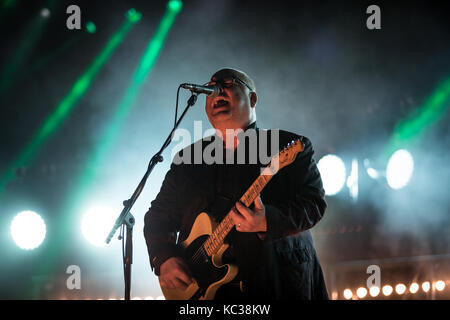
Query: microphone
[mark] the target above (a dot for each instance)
(208, 90)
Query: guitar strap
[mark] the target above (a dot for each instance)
(223, 202)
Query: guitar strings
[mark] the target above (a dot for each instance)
(258, 184)
(200, 250)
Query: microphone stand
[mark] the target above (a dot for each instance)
(126, 219)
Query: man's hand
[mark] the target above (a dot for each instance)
(175, 274)
(247, 220)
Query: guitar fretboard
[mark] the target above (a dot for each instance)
(215, 240)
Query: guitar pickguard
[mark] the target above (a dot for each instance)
(201, 265)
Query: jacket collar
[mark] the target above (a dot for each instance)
(251, 126)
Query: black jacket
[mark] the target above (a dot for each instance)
(282, 266)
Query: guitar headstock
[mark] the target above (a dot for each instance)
(287, 155)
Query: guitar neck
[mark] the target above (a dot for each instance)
(216, 239)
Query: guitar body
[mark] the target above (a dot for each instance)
(210, 273)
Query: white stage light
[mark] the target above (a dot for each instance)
(97, 223)
(439, 285)
(373, 173)
(399, 169)
(361, 292)
(332, 171)
(387, 290)
(426, 286)
(400, 288)
(45, 13)
(374, 291)
(348, 294)
(352, 180)
(414, 287)
(28, 230)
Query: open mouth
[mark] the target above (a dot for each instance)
(220, 103)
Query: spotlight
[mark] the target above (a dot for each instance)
(348, 294)
(175, 5)
(45, 13)
(399, 169)
(387, 290)
(28, 230)
(426, 286)
(361, 292)
(133, 16)
(352, 180)
(414, 287)
(400, 288)
(373, 173)
(96, 225)
(90, 27)
(439, 285)
(332, 170)
(374, 291)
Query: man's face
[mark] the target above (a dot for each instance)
(232, 108)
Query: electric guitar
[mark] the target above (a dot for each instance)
(204, 247)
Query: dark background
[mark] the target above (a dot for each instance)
(318, 72)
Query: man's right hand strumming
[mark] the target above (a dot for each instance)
(175, 274)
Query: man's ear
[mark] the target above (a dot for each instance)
(253, 99)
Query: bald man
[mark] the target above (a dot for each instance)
(271, 243)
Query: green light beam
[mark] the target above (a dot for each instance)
(63, 109)
(83, 184)
(410, 130)
(64, 223)
(110, 134)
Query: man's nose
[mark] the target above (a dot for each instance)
(221, 89)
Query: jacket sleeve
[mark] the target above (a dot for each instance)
(162, 221)
(305, 205)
